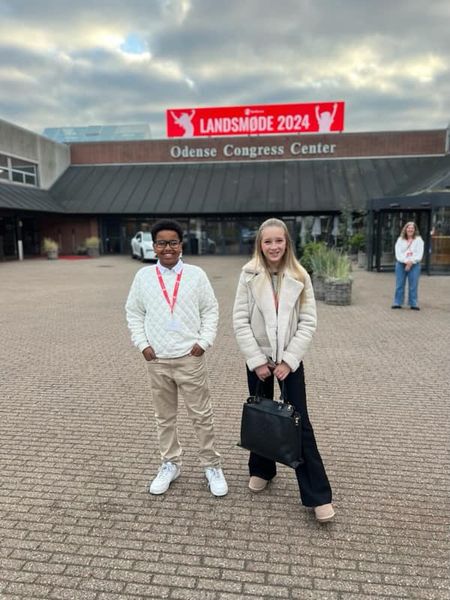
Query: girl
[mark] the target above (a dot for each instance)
(274, 319)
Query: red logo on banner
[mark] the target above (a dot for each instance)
(312, 117)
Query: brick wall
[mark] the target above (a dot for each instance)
(295, 147)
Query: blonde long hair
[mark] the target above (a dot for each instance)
(289, 260)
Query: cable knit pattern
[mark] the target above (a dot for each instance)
(148, 313)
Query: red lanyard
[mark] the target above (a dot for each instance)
(172, 302)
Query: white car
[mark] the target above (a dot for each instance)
(142, 246)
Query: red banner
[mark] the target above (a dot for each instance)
(263, 119)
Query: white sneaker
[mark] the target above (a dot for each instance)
(167, 473)
(216, 481)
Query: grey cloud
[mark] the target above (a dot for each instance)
(254, 52)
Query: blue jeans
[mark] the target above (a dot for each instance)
(401, 275)
(312, 479)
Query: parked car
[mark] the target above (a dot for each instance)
(193, 244)
(248, 234)
(142, 246)
(207, 245)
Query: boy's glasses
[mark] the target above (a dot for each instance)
(161, 244)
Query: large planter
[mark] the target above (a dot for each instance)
(362, 259)
(52, 254)
(93, 252)
(318, 282)
(338, 291)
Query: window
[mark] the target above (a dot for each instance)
(18, 170)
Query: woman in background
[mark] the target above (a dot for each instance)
(408, 254)
(274, 319)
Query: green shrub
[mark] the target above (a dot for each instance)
(319, 260)
(358, 242)
(308, 251)
(338, 266)
(92, 242)
(49, 245)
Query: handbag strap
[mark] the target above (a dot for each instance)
(283, 392)
(259, 386)
(258, 389)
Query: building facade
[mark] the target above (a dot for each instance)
(324, 186)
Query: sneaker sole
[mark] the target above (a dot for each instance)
(213, 493)
(163, 491)
(218, 495)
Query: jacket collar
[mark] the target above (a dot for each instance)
(291, 288)
(252, 268)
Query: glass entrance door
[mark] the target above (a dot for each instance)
(8, 238)
(388, 229)
(440, 240)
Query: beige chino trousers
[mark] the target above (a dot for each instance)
(187, 376)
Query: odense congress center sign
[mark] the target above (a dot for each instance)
(232, 151)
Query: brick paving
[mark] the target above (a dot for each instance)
(78, 446)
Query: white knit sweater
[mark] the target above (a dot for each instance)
(148, 314)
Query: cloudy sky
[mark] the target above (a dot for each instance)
(79, 62)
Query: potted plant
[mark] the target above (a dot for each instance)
(92, 246)
(50, 247)
(338, 281)
(307, 251)
(358, 246)
(319, 260)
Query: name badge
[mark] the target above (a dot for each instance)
(173, 325)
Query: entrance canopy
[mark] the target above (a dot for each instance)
(423, 200)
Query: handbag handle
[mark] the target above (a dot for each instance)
(260, 384)
(283, 392)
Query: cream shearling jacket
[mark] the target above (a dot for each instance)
(263, 334)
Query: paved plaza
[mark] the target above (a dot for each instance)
(78, 447)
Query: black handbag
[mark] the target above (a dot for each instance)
(272, 429)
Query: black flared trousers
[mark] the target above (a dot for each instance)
(312, 479)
